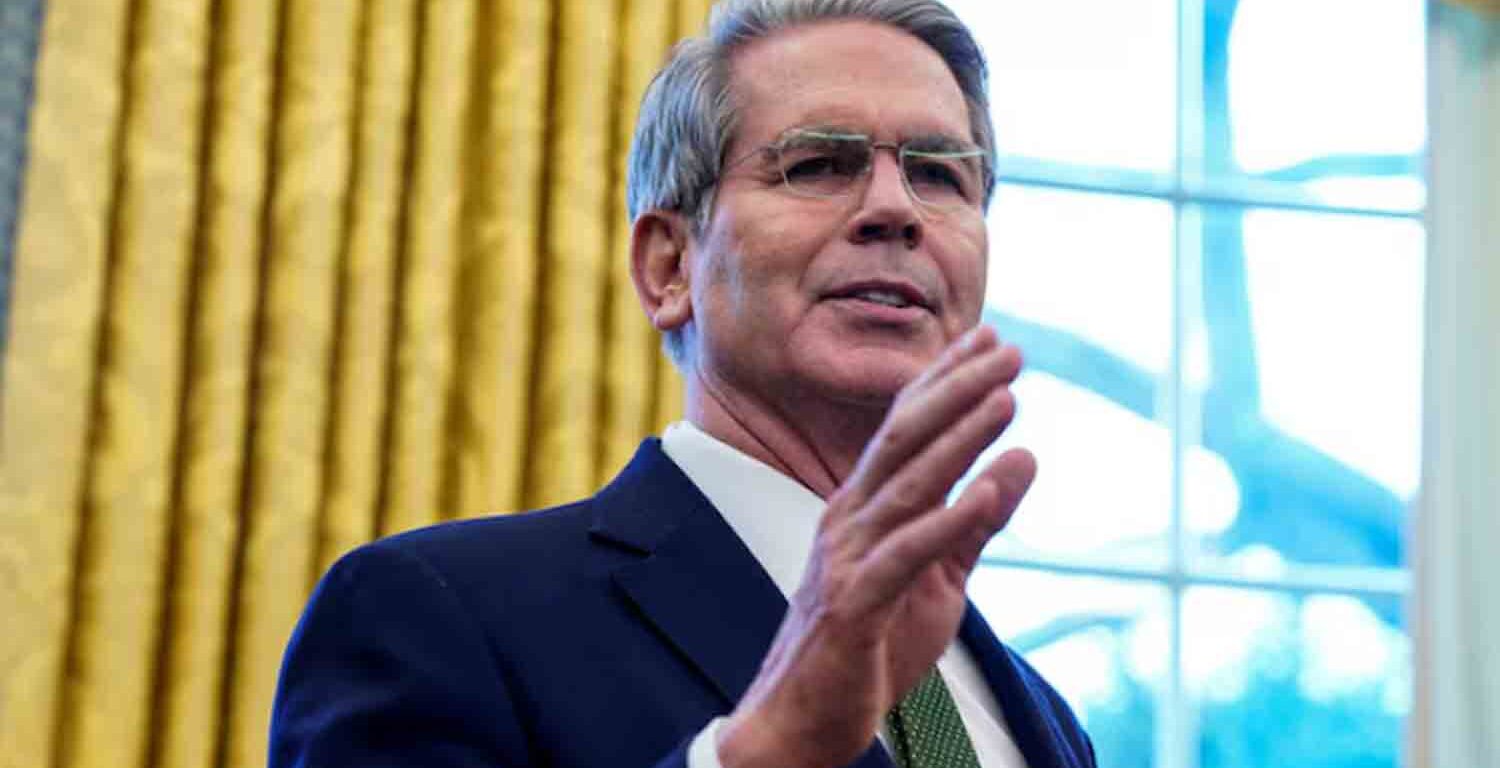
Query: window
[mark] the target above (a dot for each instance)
(1208, 242)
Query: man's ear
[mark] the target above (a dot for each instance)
(659, 267)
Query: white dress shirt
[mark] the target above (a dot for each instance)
(777, 523)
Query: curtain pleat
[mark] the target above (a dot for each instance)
(501, 258)
(292, 274)
(424, 362)
(387, 59)
(690, 16)
(576, 254)
(50, 374)
(312, 161)
(124, 539)
(631, 347)
(220, 368)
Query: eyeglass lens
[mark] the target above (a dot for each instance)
(824, 165)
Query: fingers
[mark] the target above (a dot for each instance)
(930, 405)
(892, 510)
(976, 341)
(956, 534)
(895, 562)
(923, 481)
(1010, 475)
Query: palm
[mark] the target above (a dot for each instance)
(926, 619)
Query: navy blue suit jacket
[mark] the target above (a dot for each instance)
(603, 633)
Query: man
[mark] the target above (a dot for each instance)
(779, 580)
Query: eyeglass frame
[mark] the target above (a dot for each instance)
(901, 150)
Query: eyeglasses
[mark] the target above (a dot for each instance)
(937, 171)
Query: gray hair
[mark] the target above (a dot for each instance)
(687, 117)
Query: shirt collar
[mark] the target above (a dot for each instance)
(774, 515)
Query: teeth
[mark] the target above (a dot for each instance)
(888, 298)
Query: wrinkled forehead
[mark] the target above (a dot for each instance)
(861, 75)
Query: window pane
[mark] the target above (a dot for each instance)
(1083, 284)
(1082, 82)
(1322, 681)
(1096, 268)
(1312, 396)
(1100, 642)
(1295, 98)
(1103, 486)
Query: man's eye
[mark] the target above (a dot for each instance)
(933, 174)
(812, 167)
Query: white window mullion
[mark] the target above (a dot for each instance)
(1180, 725)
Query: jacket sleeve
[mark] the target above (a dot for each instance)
(387, 667)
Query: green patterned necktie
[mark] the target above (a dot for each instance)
(926, 731)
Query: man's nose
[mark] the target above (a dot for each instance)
(887, 210)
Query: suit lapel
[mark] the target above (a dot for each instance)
(697, 583)
(711, 600)
(1028, 713)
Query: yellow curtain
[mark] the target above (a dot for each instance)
(289, 276)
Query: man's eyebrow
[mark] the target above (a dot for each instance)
(939, 142)
(828, 129)
(930, 142)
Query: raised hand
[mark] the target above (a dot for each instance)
(883, 593)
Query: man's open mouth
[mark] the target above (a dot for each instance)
(885, 294)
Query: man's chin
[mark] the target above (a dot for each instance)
(871, 380)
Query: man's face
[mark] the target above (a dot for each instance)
(791, 295)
